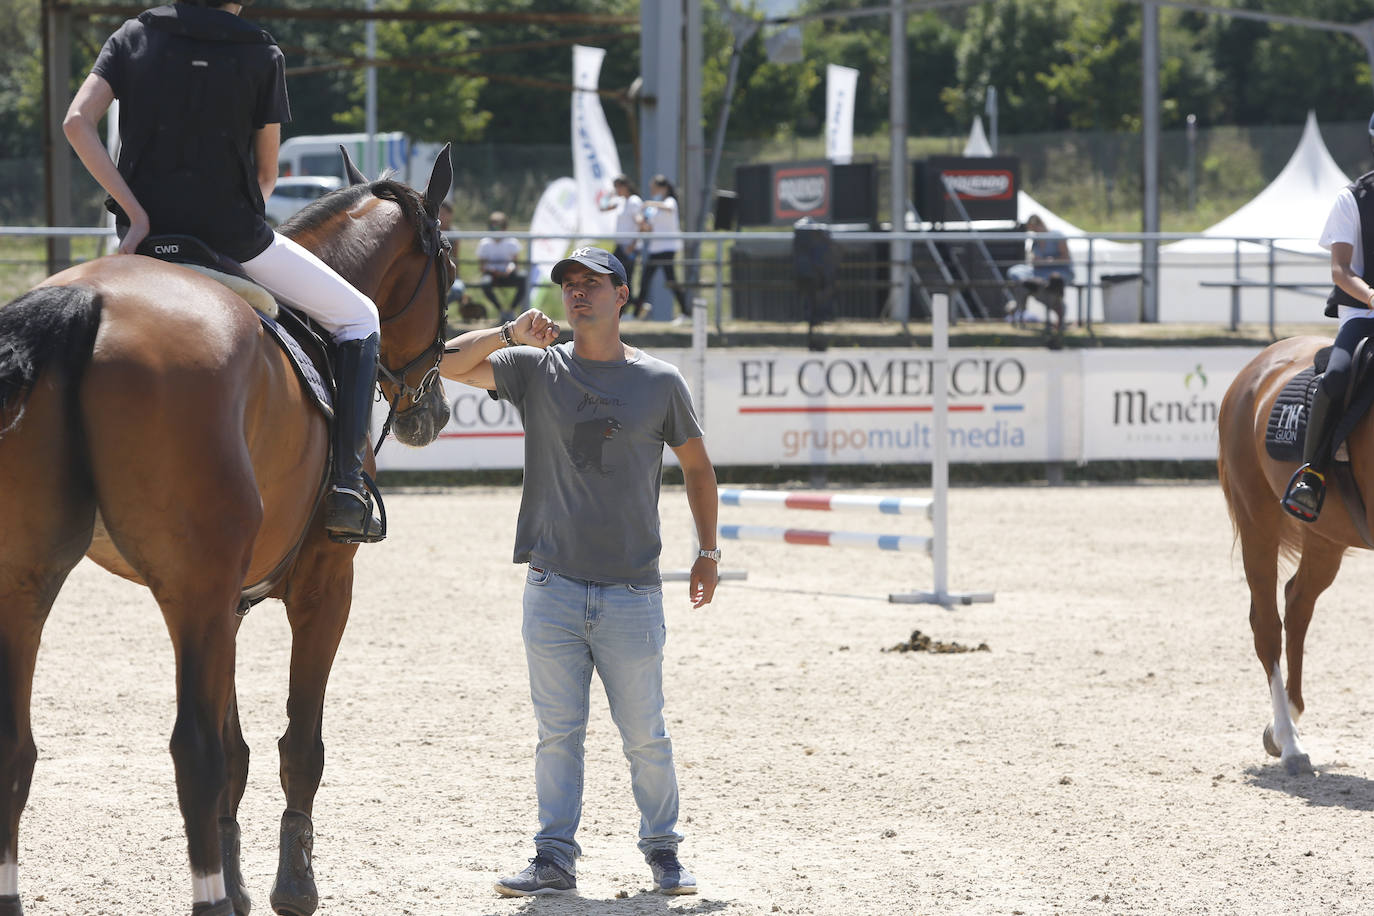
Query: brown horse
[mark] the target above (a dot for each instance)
(148, 422)
(1253, 483)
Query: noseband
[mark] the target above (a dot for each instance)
(438, 247)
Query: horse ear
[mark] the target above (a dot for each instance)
(354, 176)
(440, 181)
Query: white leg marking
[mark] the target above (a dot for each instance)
(9, 877)
(208, 888)
(1285, 728)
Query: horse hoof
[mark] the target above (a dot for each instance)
(1270, 747)
(9, 906)
(223, 908)
(294, 892)
(233, 876)
(1298, 764)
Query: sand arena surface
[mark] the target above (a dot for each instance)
(1104, 757)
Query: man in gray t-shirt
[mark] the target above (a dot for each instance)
(597, 414)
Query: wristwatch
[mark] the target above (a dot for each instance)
(713, 554)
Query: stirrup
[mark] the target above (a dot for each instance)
(372, 527)
(1305, 479)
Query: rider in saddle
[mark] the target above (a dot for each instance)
(202, 99)
(1352, 300)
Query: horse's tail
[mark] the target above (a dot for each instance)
(51, 326)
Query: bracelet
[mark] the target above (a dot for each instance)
(506, 339)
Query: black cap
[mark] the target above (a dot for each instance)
(596, 259)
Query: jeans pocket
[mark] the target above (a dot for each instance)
(644, 590)
(537, 576)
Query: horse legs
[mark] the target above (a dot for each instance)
(1317, 569)
(48, 509)
(317, 600)
(236, 760)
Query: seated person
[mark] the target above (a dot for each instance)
(499, 259)
(1045, 277)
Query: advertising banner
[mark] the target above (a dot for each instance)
(556, 213)
(595, 159)
(840, 85)
(986, 187)
(1156, 404)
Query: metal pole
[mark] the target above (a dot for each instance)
(57, 45)
(899, 303)
(1149, 37)
(370, 102)
(1192, 162)
(991, 106)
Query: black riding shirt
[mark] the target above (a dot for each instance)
(194, 85)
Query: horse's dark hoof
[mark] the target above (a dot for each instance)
(223, 908)
(294, 893)
(233, 877)
(9, 906)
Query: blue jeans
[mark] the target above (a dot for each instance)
(570, 628)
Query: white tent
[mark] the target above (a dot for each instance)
(977, 144)
(1293, 207)
(1292, 210)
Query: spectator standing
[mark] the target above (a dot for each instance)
(597, 414)
(499, 256)
(628, 207)
(660, 219)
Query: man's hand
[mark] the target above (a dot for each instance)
(534, 329)
(702, 587)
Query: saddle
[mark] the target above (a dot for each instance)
(298, 337)
(295, 333)
(1286, 427)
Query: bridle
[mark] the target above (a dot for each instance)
(437, 247)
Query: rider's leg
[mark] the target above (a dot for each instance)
(1307, 489)
(295, 274)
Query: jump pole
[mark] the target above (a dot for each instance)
(939, 475)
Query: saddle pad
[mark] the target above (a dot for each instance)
(1287, 425)
(303, 364)
(260, 299)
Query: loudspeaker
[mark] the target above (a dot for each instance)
(726, 204)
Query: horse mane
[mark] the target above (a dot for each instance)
(316, 214)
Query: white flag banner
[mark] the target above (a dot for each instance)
(595, 159)
(840, 85)
(556, 213)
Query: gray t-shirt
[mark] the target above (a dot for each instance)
(594, 437)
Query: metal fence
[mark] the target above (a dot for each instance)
(763, 276)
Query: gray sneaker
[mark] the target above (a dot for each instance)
(540, 878)
(669, 875)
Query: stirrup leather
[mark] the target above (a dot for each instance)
(1305, 481)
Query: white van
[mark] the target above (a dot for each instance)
(319, 154)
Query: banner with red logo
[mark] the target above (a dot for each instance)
(985, 187)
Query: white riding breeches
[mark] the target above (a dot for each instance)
(288, 270)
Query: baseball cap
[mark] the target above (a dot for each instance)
(596, 259)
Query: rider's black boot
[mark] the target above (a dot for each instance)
(1307, 488)
(348, 510)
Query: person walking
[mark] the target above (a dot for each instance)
(1352, 301)
(660, 219)
(597, 414)
(220, 81)
(628, 207)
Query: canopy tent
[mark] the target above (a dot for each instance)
(1293, 207)
(1292, 210)
(977, 144)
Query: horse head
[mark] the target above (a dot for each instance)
(399, 257)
